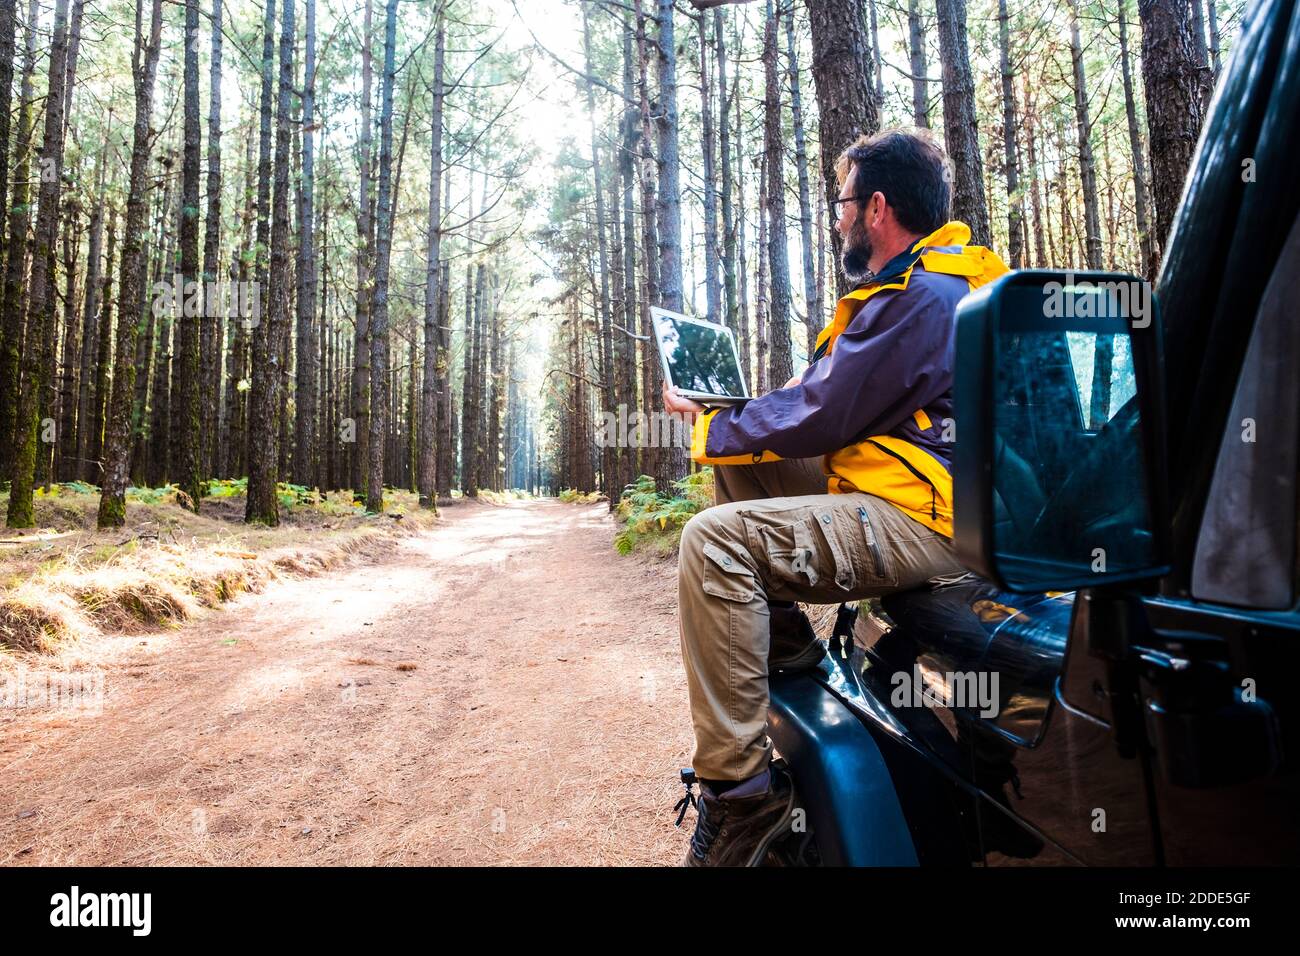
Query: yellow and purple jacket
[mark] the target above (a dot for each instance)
(876, 401)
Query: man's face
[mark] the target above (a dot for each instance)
(856, 251)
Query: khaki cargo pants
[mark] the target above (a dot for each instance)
(774, 535)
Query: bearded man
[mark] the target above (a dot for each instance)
(835, 487)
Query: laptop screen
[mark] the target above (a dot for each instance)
(700, 356)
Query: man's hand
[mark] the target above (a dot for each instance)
(680, 405)
(795, 380)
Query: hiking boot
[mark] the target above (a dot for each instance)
(793, 642)
(736, 828)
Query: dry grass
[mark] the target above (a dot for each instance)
(64, 580)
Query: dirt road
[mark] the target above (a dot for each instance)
(503, 690)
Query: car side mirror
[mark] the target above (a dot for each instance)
(1058, 468)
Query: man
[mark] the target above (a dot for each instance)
(833, 488)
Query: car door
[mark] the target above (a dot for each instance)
(1226, 784)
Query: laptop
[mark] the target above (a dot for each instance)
(699, 358)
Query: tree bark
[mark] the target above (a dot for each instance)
(781, 367)
(214, 326)
(93, 457)
(1137, 154)
(187, 408)
(960, 130)
(19, 216)
(609, 453)
(305, 411)
(1015, 231)
(90, 332)
(434, 357)
(916, 49)
(712, 285)
(847, 104)
(652, 376)
(668, 211)
(270, 337)
(1087, 162)
(38, 356)
(383, 251)
(360, 398)
(728, 175)
(1172, 81)
(117, 437)
(8, 40)
(811, 290)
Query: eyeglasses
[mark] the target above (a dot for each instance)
(837, 205)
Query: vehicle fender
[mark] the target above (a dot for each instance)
(842, 779)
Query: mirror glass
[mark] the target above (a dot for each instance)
(1069, 485)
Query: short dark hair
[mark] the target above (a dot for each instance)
(909, 168)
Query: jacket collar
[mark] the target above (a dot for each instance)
(951, 233)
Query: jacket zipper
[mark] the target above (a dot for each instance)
(934, 511)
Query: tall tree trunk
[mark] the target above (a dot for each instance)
(446, 459)
(1136, 152)
(8, 40)
(847, 104)
(38, 356)
(1212, 9)
(92, 459)
(609, 453)
(383, 231)
(1201, 53)
(762, 337)
(812, 292)
(61, 406)
(214, 325)
(724, 148)
(669, 203)
(628, 312)
(742, 253)
(266, 400)
(1035, 193)
(652, 375)
(304, 422)
(781, 367)
(360, 398)
(916, 48)
(496, 397)
(1087, 163)
(434, 357)
(877, 61)
(1172, 81)
(235, 447)
(19, 216)
(65, 446)
(91, 332)
(960, 130)
(1015, 233)
(117, 432)
(187, 410)
(712, 285)
(469, 399)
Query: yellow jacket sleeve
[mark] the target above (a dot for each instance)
(700, 443)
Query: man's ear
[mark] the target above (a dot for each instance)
(875, 214)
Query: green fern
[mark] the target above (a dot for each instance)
(652, 518)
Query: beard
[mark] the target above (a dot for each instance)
(855, 255)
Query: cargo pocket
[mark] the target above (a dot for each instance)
(797, 552)
(726, 577)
